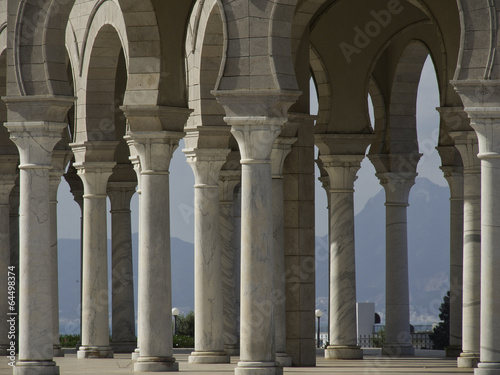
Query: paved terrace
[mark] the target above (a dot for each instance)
(425, 362)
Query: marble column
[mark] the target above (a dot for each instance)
(342, 171)
(281, 149)
(7, 297)
(466, 143)
(397, 173)
(76, 188)
(455, 178)
(228, 180)
(397, 188)
(122, 292)
(154, 150)
(95, 305)
(256, 119)
(35, 140)
(136, 164)
(60, 159)
(208, 309)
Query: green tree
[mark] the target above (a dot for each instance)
(440, 335)
(185, 324)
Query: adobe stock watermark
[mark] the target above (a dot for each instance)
(363, 36)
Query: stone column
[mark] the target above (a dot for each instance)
(397, 173)
(8, 298)
(486, 123)
(60, 159)
(35, 126)
(95, 306)
(134, 159)
(122, 292)
(342, 171)
(256, 119)
(155, 150)
(76, 188)
(281, 149)
(466, 143)
(209, 324)
(455, 177)
(228, 180)
(397, 188)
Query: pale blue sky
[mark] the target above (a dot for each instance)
(367, 186)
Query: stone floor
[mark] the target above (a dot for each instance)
(425, 362)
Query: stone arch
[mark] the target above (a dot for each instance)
(6, 145)
(141, 45)
(478, 56)
(322, 81)
(205, 53)
(402, 131)
(380, 113)
(40, 31)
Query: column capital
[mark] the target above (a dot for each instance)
(228, 180)
(256, 118)
(397, 187)
(154, 149)
(455, 178)
(281, 148)
(35, 141)
(208, 137)
(454, 119)
(466, 143)
(120, 194)
(145, 119)
(341, 170)
(343, 144)
(95, 177)
(206, 165)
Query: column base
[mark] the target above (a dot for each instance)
(94, 352)
(283, 359)
(343, 352)
(136, 354)
(453, 351)
(123, 347)
(156, 364)
(398, 350)
(258, 368)
(487, 369)
(58, 352)
(468, 360)
(209, 357)
(36, 368)
(232, 349)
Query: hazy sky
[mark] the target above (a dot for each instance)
(367, 186)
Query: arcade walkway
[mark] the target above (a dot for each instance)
(426, 362)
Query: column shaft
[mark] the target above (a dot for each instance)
(155, 330)
(343, 337)
(95, 306)
(490, 264)
(123, 315)
(456, 275)
(257, 323)
(209, 318)
(398, 340)
(6, 299)
(229, 283)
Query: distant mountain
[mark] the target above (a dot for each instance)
(428, 252)
(428, 238)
